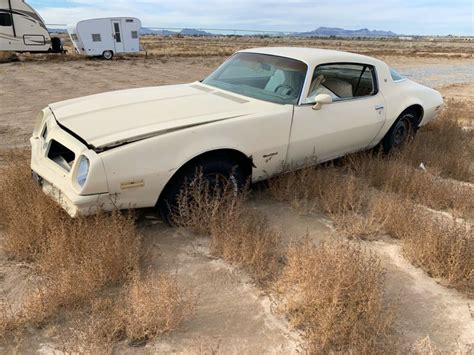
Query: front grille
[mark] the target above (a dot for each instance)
(61, 155)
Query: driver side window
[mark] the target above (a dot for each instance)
(343, 81)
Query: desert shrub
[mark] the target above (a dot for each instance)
(347, 199)
(82, 257)
(334, 292)
(145, 309)
(394, 175)
(155, 306)
(444, 146)
(441, 246)
(25, 213)
(238, 234)
(75, 262)
(315, 189)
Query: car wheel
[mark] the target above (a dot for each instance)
(400, 133)
(108, 55)
(216, 173)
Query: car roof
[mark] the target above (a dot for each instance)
(314, 56)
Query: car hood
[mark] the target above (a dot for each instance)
(119, 117)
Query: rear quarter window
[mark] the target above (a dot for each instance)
(396, 76)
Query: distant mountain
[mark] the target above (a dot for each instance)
(183, 32)
(194, 32)
(148, 31)
(340, 32)
(57, 30)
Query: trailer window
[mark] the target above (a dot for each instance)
(96, 37)
(74, 37)
(134, 34)
(5, 19)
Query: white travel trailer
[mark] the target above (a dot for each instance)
(23, 30)
(106, 37)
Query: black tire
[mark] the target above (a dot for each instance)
(108, 55)
(400, 133)
(211, 170)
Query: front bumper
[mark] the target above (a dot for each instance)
(75, 205)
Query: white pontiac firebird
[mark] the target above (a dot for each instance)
(262, 112)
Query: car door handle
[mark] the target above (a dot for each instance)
(379, 107)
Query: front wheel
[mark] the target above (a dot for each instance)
(108, 55)
(215, 173)
(400, 133)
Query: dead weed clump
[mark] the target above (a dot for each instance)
(334, 292)
(320, 189)
(26, 214)
(238, 234)
(75, 262)
(444, 248)
(145, 309)
(345, 197)
(394, 175)
(154, 307)
(444, 146)
(83, 256)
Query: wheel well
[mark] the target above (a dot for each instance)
(243, 162)
(418, 111)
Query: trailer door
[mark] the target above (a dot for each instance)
(118, 37)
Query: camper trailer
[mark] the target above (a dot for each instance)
(23, 30)
(105, 37)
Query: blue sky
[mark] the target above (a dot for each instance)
(404, 16)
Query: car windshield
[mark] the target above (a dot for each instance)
(260, 76)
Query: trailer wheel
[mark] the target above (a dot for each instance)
(108, 55)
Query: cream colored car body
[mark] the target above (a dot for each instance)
(136, 140)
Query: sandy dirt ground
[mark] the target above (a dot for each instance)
(232, 314)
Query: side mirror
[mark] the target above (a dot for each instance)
(322, 99)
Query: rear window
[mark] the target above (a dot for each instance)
(74, 37)
(134, 34)
(395, 75)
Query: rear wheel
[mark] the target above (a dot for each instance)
(108, 55)
(400, 133)
(216, 173)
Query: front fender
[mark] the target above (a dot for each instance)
(146, 166)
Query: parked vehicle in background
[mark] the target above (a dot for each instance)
(23, 30)
(264, 112)
(106, 37)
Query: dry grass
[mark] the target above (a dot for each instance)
(347, 199)
(225, 46)
(315, 189)
(443, 247)
(77, 261)
(370, 195)
(396, 175)
(335, 293)
(146, 318)
(238, 234)
(25, 213)
(444, 146)
(82, 257)
(147, 308)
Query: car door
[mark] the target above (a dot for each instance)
(348, 124)
(118, 38)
